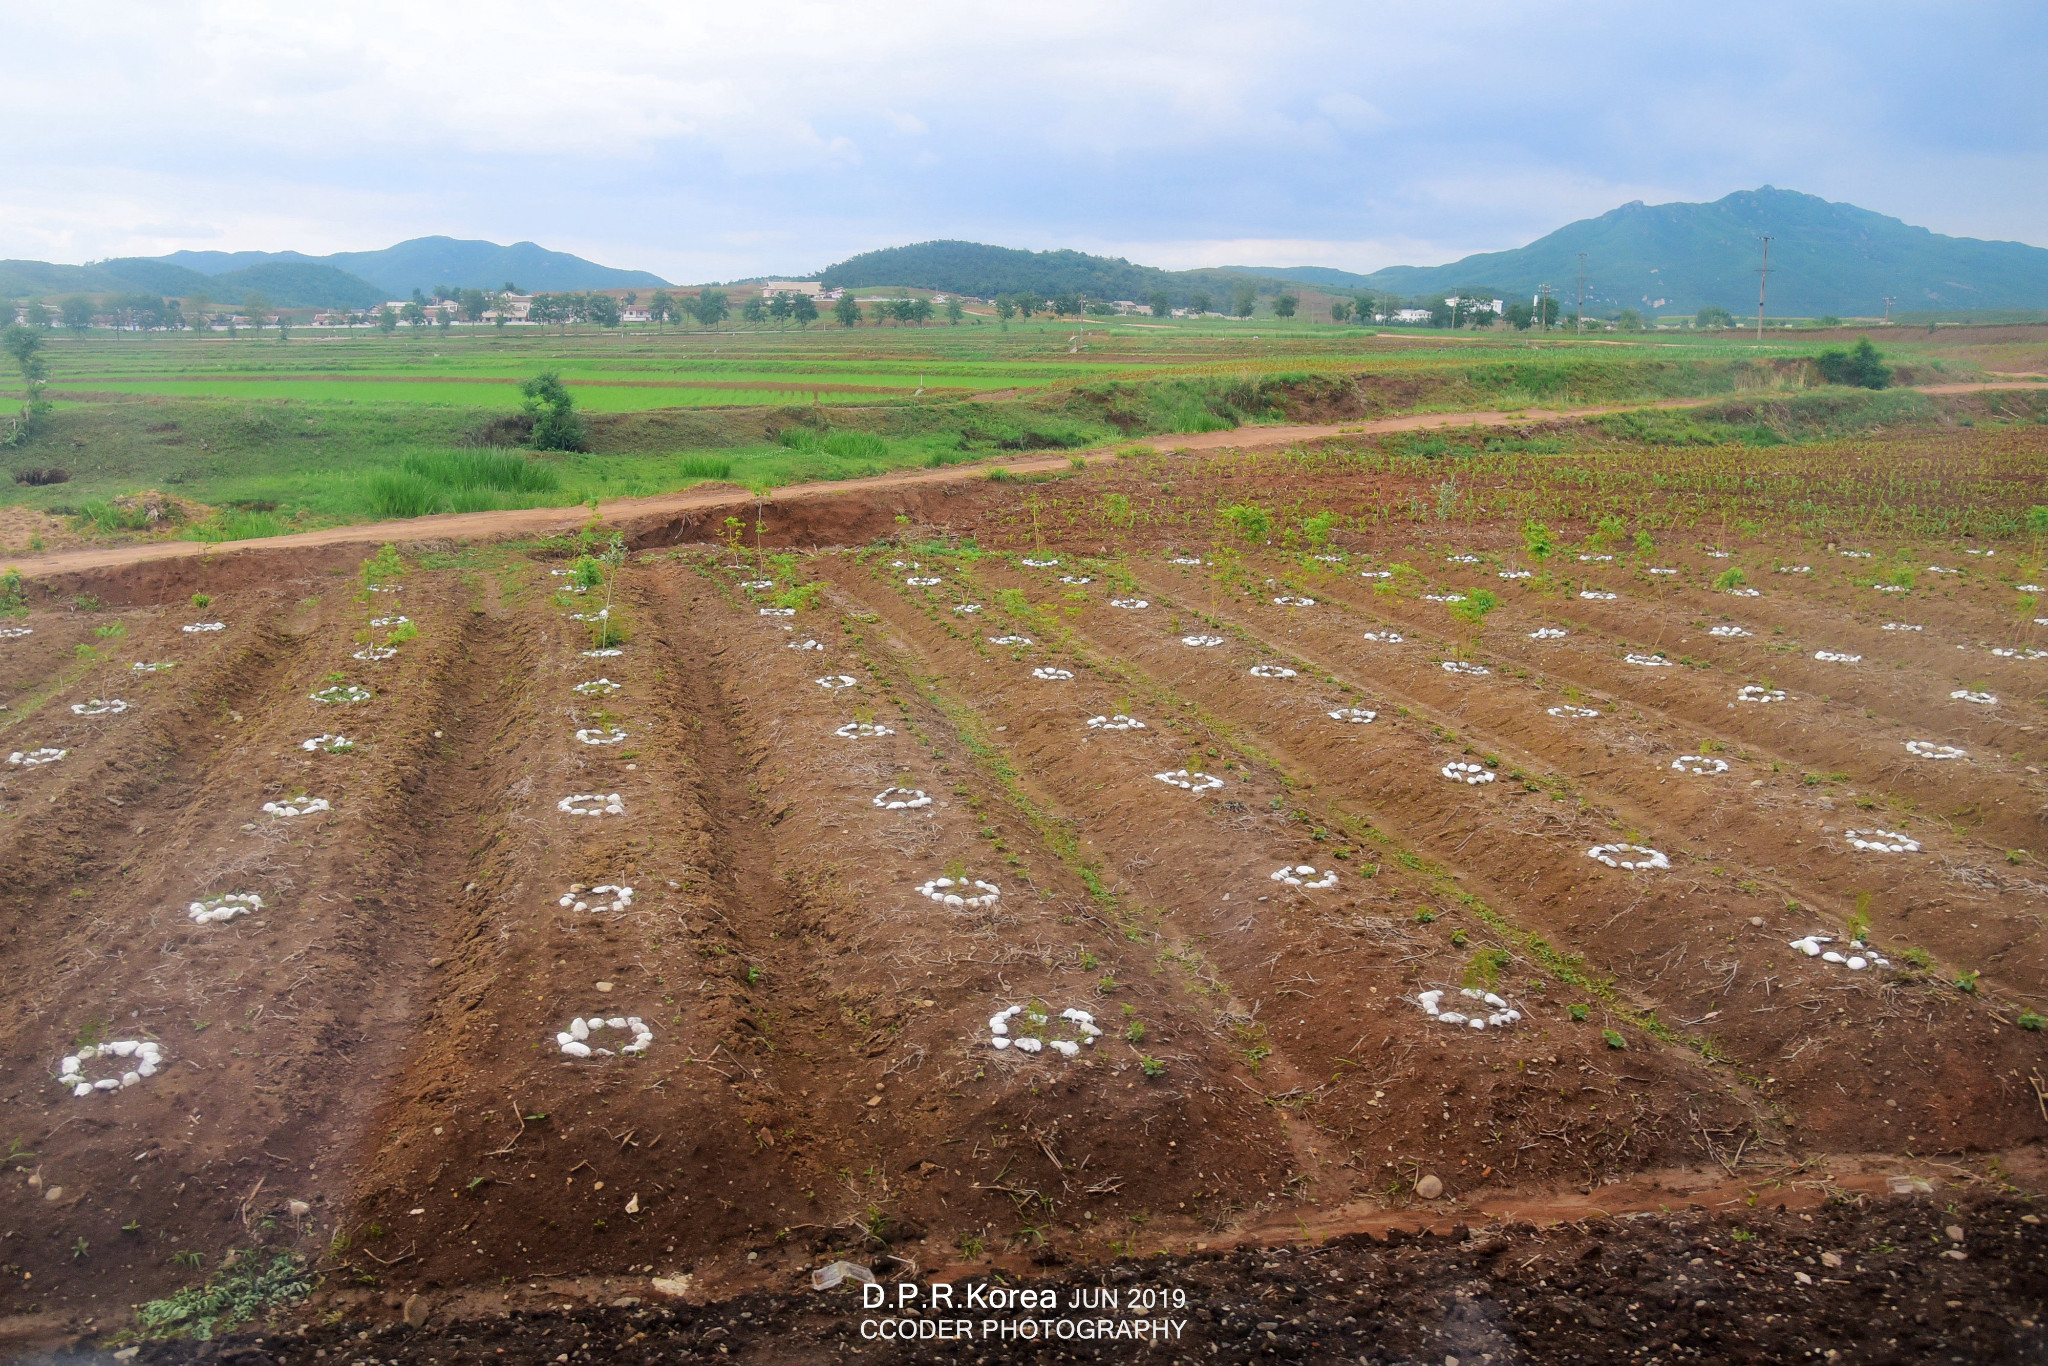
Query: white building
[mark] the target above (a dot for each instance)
(1411, 315)
(774, 287)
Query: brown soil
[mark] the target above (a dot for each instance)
(365, 1072)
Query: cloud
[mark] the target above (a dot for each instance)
(711, 141)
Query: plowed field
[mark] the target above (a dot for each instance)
(1045, 882)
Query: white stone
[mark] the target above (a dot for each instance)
(1460, 772)
(296, 806)
(1052, 675)
(1201, 642)
(602, 735)
(1596, 595)
(1549, 633)
(1982, 699)
(1009, 640)
(1187, 559)
(198, 627)
(1726, 632)
(1751, 692)
(1834, 657)
(1383, 637)
(342, 693)
(35, 758)
(1292, 600)
(1077, 579)
(1582, 713)
(1443, 597)
(1130, 604)
(591, 804)
(391, 621)
(901, 799)
(1881, 841)
(375, 653)
(1375, 574)
(1357, 716)
(960, 891)
(1516, 574)
(1744, 593)
(967, 608)
(805, 644)
(139, 667)
(214, 909)
(1648, 661)
(1902, 626)
(1458, 666)
(1699, 764)
(923, 581)
(862, 730)
(74, 1071)
(1305, 876)
(1638, 858)
(1116, 722)
(99, 707)
(1271, 671)
(1039, 564)
(834, 682)
(1193, 781)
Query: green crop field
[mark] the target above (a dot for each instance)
(255, 436)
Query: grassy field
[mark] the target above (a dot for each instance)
(255, 437)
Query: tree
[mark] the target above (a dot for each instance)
(1199, 301)
(1629, 321)
(602, 309)
(78, 313)
(955, 311)
(258, 309)
(1340, 309)
(1863, 367)
(1520, 316)
(712, 307)
(1547, 314)
(1713, 315)
(1027, 304)
(1441, 314)
(197, 306)
(444, 317)
(757, 309)
(1162, 306)
(35, 314)
(1006, 307)
(1244, 297)
(387, 319)
(662, 307)
(1066, 304)
(414, 313)
(847, 310)
(284, 328)
(25, 344)
(920, 311)
(552, 409)
(804, 309)
(1285, 304)
(473, 303)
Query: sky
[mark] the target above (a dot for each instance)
(719, 141)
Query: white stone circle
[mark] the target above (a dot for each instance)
(1928, 749)
(967, 608)
(1516, 574)
(373, 653)
(600, 735)
(862, 730)
(139, 667)
(341, 692)
(1051, 674)
(1744, 592)
(605, 895)
(778, 611)
(1583, 713)
(597, 687)
(324, 743)
(1187, 559)
(591, 804)
(1443, 597)
(16, 632)
(1010, 640)
(1751, 692)
(1859, 957)
(1116, 722)
(1077, 579)
(1458, 771)
(1642, 858)
(1461, 559)
(1647, 661)
(1331, 559)
(390, 621)
(805, 644)
(1383, 637)
(198, 627)
(834, 682)
(1795, 569)
(1500, 1017)
(962, 891)
(1727, 632)
(1718, 554)
(1271, 671)
(1201, 642)
(1375, 573)
(99, 706)
(1549, 633)
(1902, 626)
(1357, 716)
(1595, 595)
(1459, 666)
(1699, 765)
(134, 1060)
(2029, 588)
(1937, 569)
(574, 1041)
(1130, 604)
(1293, 600)
(1854, 554)
(36, 758)
(1881, 841)
(1982, 699)
(757, 585)
(297, 806)
(1594, 559)
(1305, 876)
(1039, 564)
(387, 588)
(1193, 781)
(923, 581)
(599, 615)
(1663, 571)
(612, 652)
(1078, 1023)
(214, 909)
(1836, 657)
(901, 798)
(2022, 652)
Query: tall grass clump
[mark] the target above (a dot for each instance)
(460, 481)
(704, 467)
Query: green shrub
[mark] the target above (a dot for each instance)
(243, 1288)
(1248, 520)
(1861, 368)
(1476, 605)
(1613, 1039)
(704, 467)
(856, 446)
(1537, 540)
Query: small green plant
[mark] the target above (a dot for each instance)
(1606, 531)
(1919, 958)
(1729, 578)
(1134, 1032)
(971, 1244)
(1537, 540)
(1151, 1066)
(1644, 545)
(1458, 938)
(1476, 605)
(79, 1250)
(1485, 968)
(1251, 522)
(1859, 923)
(2031, 1022)
(111, 631)
(202, 600)
(1424, 915)
(1579, 1012)
(1966, 982)
(1614, 1040)
(753, 974)
(245, 1286)
(1741, 1235)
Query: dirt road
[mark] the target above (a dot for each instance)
(490, 526)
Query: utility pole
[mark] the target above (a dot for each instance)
(1888, 301)
(1763, 278)
(1579, 321)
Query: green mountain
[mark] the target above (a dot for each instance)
(1825, 258)
(283, 284)
(983, 272)
(424, 262)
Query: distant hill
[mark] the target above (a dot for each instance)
(283, 284)
(983, 272)
(1825, 258)
(424, 262)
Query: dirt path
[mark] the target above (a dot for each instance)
(489, 526)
